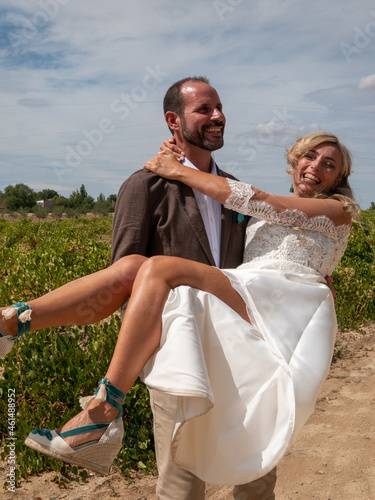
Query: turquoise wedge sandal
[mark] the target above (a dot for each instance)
(94, 455)
(23, 312)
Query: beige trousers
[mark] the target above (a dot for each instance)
(175, 483)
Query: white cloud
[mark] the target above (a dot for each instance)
(277, 65)
(368, 82)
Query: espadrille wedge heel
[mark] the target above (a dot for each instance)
(94, 455)
(23, 312)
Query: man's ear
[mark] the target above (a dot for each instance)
(173, 120)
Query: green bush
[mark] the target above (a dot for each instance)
(57, 211)
(354, 278)
(40, 212)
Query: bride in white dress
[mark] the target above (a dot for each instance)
(245, 351)
(252, 387)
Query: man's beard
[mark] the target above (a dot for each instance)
(199, 140)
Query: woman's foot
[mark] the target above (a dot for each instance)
(98, 412)
(8, 327)
(15, 321)
(91, 439)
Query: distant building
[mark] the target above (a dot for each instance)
(46, 203)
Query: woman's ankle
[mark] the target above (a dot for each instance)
(8, 326)
(101, 411)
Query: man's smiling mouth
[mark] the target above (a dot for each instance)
(214, 130)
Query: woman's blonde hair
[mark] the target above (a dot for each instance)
(342, 191)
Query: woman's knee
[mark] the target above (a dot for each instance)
(157, 266)
(129, 266)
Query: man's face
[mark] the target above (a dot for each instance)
(203, 122)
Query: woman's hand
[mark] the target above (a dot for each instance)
(166, 165)
(169, 146)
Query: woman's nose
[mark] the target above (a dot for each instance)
(316, 164)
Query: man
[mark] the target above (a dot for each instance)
(155, 216)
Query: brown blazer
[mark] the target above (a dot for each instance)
(155, 216)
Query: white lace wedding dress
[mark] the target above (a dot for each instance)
(245, 391)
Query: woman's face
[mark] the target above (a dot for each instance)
(317, 170)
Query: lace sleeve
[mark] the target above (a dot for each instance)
(240, 201)
(239, 198)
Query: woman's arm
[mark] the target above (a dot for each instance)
(220, 189)
(166, 165)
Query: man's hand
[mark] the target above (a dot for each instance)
(329, 281)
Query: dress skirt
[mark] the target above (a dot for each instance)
(244, 390)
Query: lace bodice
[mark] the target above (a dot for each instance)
(288, 241)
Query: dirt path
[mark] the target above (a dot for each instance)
(333, 459)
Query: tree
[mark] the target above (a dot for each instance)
(88, 202)
(47, 194)
(112, 198)
(83, 192)
(105, 206)
(61, 201)
(372, 206)
(81, 199)
(18, 196)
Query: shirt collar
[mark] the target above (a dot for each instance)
(213, 169)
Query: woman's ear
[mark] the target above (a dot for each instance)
(338, 181)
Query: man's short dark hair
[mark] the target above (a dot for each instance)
(173, 100)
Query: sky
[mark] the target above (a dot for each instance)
(82, 84)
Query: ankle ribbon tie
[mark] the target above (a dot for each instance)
(23, 312)
(108, 391)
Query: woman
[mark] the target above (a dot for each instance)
(245, 350)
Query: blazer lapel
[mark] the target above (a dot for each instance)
(226, 225)
(188, 205)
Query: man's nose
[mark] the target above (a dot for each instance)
(217, 115)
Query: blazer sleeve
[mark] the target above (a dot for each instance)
(132, 224)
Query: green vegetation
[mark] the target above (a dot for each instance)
(50, 369)
(21, 199)
(354, 278)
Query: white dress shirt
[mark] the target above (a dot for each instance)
(211, 214)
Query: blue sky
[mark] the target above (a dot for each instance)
(82, 84)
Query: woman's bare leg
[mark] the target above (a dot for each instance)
(141, 329)
(84, 301)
